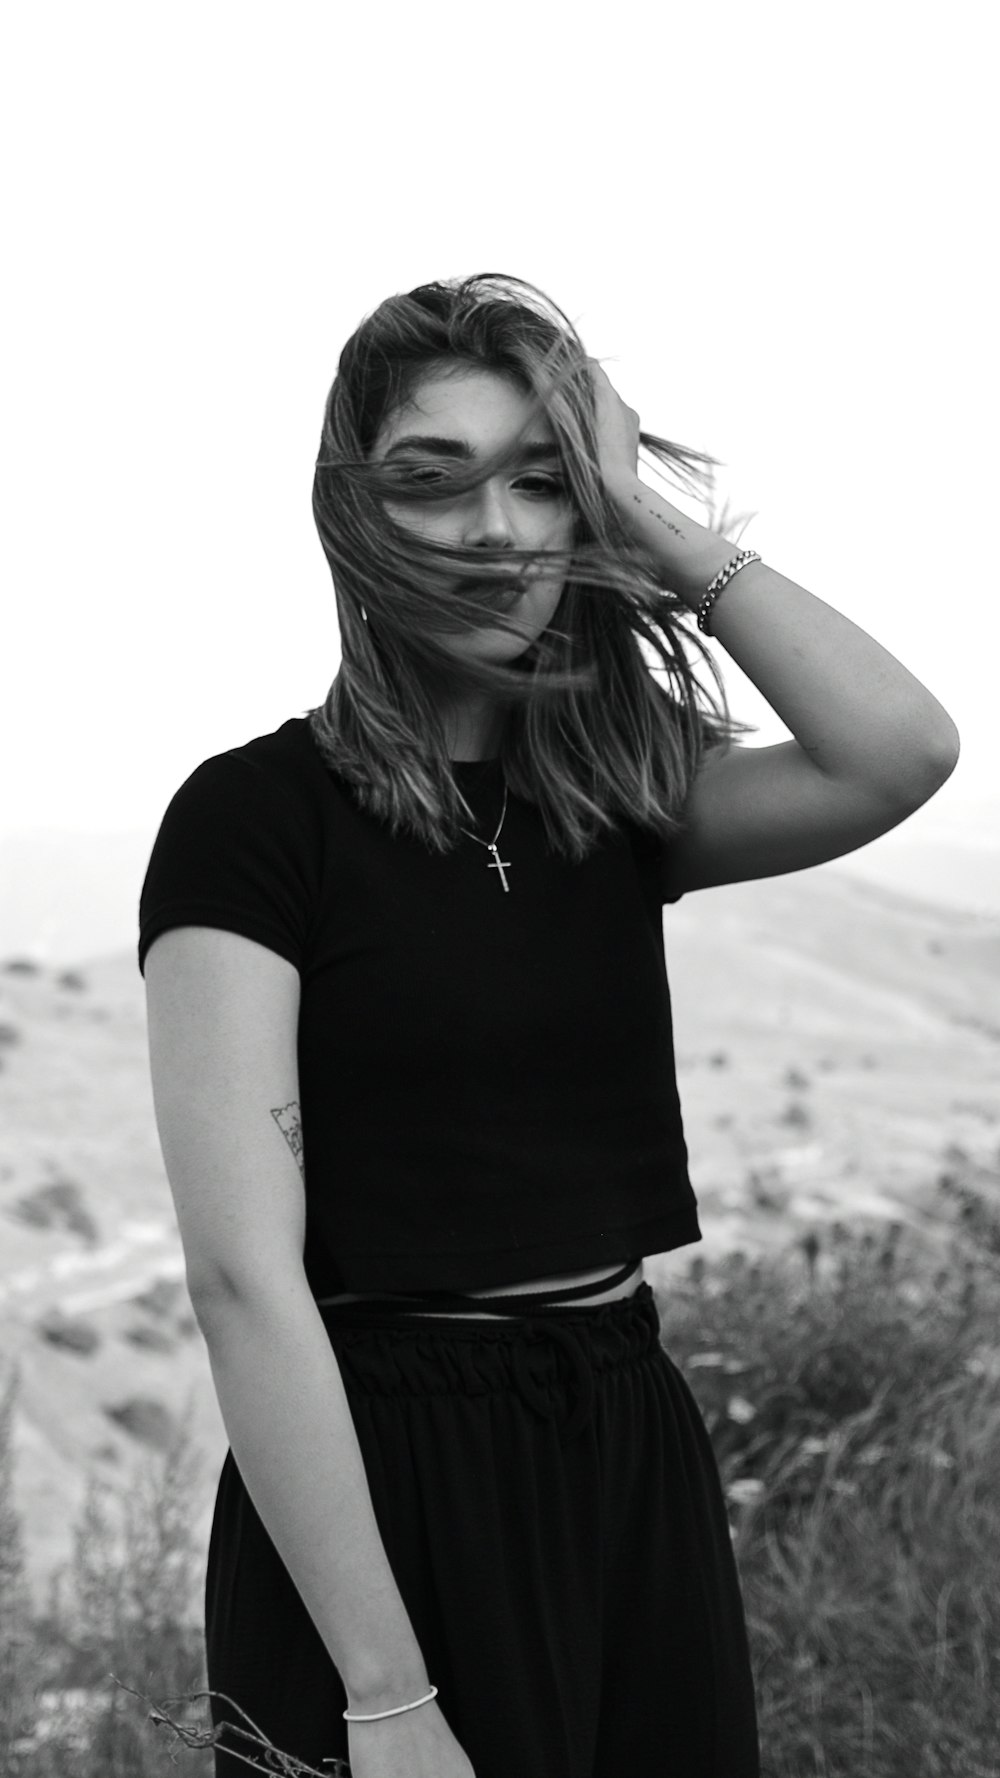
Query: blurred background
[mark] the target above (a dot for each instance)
(769, 223)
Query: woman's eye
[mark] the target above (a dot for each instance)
(429, 472)
(545, 487)
(550, 487)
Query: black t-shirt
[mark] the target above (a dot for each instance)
(487, 1079)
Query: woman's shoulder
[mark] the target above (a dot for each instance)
(280, 767)
(241, 843)
(288, 753)
(263, 797)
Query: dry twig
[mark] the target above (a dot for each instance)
(206, 1735)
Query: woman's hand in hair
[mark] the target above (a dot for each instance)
(617, 433)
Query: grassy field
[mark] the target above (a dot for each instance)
(851, 1386)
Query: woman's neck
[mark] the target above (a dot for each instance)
(474, 728)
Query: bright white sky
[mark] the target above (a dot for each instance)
(771, 222)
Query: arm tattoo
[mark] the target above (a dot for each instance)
(659, 517)
(289, 1121)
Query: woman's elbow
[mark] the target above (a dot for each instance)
(218, 1293)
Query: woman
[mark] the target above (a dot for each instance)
(413, 1070)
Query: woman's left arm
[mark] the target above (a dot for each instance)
(871, 743)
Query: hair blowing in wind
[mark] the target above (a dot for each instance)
(590, 736)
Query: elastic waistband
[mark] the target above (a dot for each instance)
(385, 1349)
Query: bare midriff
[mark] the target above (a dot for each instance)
(626, 1287)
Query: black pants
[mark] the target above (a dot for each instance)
(551, 1509)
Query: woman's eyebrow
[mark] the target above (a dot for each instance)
(533, 451)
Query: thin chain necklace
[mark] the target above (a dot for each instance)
(496, 862)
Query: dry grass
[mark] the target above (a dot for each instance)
(852, 1399)
(851, 1394)
(126, 1604)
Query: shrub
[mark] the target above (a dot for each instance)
(794, 1077)
(152, 1339)
(71, 978)
(160, 1297)
(122, 1616)
(144, 1418)
(14, 1602)
(72, 1335)
(796, 1115)
(57, 1204)
(850, 1392)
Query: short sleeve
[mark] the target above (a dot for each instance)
(232, 851)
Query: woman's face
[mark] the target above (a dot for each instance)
(462, 414)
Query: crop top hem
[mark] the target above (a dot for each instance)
(434, 1269)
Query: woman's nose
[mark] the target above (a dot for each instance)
(490, 523)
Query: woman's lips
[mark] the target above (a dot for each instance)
(514, 585)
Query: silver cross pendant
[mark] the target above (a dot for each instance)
(500, 864)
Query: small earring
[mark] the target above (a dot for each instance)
(364, 615)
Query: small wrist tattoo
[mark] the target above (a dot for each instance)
(668, 524)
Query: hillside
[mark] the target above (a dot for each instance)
(838, 1057)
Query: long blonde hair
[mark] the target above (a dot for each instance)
(590, 737)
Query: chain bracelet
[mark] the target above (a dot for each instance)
(722, 579)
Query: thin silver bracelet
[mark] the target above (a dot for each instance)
(377, 1714)
(722, 579)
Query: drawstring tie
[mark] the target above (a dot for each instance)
(537, 1327)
